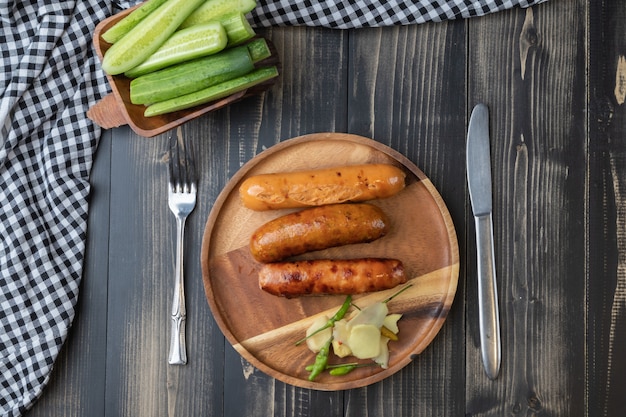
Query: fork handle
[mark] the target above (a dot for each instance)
(178, 349)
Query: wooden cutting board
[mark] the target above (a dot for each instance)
(264, 328)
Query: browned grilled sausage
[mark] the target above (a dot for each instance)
(326, 276)
(316, 229)
(353, 183)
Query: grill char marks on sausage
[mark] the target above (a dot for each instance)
(326, 276)
(316, 229)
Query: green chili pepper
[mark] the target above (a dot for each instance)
(309, 368)
(331, 322)
(346, 368)
(321, 360)
(342, 370)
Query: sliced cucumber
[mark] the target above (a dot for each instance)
(191, 76)
(259, 50)
(213, 9)
(184, 45)
(121, 28)
(147, 36)
(212, 93)
(237, 28)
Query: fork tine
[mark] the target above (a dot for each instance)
(190, 166)
(174, 166)
(183, 175)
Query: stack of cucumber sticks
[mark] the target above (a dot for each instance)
(183, 53)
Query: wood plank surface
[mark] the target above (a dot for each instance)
(77, 382)
(312, 72)
(528, 67)
(606, 228)
(553, 76)
(411, 97)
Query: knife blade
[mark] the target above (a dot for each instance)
(479, 183)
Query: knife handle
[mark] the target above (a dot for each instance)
(488, 316)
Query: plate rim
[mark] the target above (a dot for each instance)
(431, 332)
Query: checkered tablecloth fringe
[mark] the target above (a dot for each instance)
(49, 77)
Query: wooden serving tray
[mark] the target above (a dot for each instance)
(116, 109)
(264, 328)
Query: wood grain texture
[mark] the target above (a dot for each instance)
(606, 297)
(141, 268)
(407, 90)
(552, 77)
(314, 71)
(264, 328)
(530, 74)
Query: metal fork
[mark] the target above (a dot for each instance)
(181, 200)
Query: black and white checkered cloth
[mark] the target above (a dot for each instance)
(370, 13)
(49, 77)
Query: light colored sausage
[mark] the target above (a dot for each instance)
(353, 183)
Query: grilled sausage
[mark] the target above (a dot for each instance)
(316, 229)
(326, 276)
(318, 187)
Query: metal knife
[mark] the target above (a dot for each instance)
(479, 183)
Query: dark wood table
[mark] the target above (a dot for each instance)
(554, 77)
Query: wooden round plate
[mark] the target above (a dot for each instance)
(264, 328)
